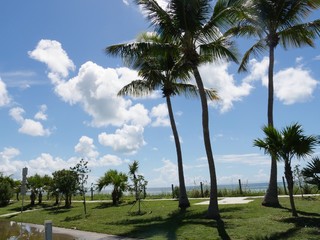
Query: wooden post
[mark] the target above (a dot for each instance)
(48, 230)
(240, 187)
(284, 185)
(201, 188)
(172, 189)
(91, 193)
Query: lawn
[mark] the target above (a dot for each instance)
(161, 219)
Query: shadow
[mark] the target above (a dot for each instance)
(104, 205)
(276, 236)
(168, 227)
(74, 218)
(301, 222)
(222, 230)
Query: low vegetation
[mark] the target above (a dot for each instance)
(162, 219)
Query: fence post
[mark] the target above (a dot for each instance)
(172, 188)
(201, 188)
(240, 187)
(48, 230)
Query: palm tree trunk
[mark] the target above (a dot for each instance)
(183, 198)
(271, 197)
(213, 209)
(289, 178)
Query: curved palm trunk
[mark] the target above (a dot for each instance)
(271, 196)
(183, 198)
(213, 209)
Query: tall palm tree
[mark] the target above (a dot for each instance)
(159, 70)
(285, 145)
(276, 22)
(195, 26)
(119, 182)
(133, 168)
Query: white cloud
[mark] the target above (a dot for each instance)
(167, 174)
(86, 148)
(41, 114)
(216, 76)
(248, 159)
(160, 112)
(125, 2)
(28, 126)
(109, 160)
(291, 85)
(4, 96)
(46, 164)
(294, 85)
(8, 165)
(51, 53)
(128, 139)
(94, 88)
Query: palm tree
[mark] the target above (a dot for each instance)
(286, 145)
(311, 172)
(119, 182)
(195, 27)
(159, 70)
(276, 22)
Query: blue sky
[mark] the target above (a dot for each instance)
(58, 99)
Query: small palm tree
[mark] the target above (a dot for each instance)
(311, 172)
(159, 67)
(119, 182)
(196, 26)
(286, 145)
(276, 22)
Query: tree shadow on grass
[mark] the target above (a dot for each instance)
(168, 226)
(312, 223)
(104, 205)
(73, 218)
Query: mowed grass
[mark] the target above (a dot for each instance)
(161, 219)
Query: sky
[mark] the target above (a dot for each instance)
(59, 103)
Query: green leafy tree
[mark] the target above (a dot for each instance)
(276, 22)
(82, 171)
(6, 189)
(195, 26)
(311, 172)
(159, 67)
(37, 184)
(285, 145)
(119, 182)
(66, 183)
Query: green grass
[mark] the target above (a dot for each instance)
(163, 220)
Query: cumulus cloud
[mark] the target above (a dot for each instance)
(294, 85)
(28, 126)
(41, 114)
(51, 53)
(4, 96)
(86, 148)
(216, 76)
(128, 139)
(7, 163)
(94, 88)
(160, 113)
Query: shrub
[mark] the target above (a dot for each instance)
(6, 192)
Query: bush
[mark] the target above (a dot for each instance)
(6, 192)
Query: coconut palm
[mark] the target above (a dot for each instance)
(159, 70)
(276, 22)
(311, 172)
(195, 27)
(286, 145)
(119, 182)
